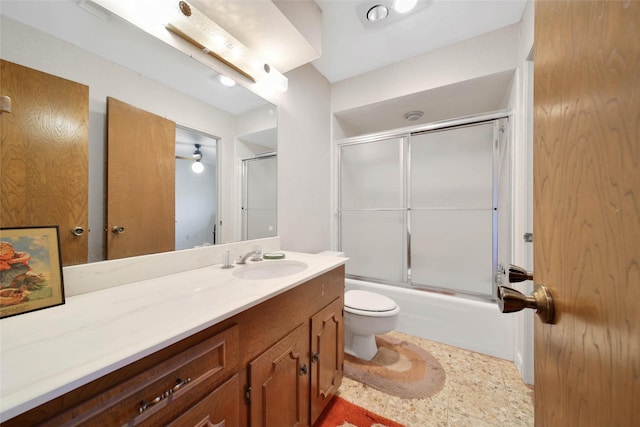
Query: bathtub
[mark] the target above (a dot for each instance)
(470, 324)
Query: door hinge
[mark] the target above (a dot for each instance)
(528, 237)
(247, 394)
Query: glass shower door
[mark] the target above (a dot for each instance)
(421, 209)
(452, 209)
(372, 213)
(259, 197)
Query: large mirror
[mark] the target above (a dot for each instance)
(228, 126)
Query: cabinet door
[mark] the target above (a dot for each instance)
(221, 408)
(279, 382)
(327, 355)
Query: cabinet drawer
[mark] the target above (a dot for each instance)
(221, 408)
(161, 393)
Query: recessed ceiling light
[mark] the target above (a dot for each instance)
(377, 13)
(404, 6)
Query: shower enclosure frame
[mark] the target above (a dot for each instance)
(244, 207)
(405, 134)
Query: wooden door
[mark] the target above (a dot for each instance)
(587, 211)
(279, 381)
(44, 150)
(327, 355)
(140, 181)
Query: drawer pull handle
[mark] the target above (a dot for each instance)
(146, 404)
(206, 422)
(179, 384)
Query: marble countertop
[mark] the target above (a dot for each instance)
(46, 353)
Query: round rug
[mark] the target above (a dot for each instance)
(399, 368)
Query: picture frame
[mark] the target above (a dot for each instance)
(30, 269)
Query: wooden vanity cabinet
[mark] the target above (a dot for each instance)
(274, 365)
(221, 408)
(279, 382)
(327, 355)
(156, 395)
(293, 381)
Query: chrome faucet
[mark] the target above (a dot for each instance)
(256, 256)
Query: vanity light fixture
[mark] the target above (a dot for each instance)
(197, 166)
(195, 27)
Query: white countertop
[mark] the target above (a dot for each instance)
(46, 353)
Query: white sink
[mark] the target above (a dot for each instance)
(269, 269)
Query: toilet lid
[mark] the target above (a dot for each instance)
(368, 301)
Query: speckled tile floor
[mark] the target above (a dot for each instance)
(479, 391)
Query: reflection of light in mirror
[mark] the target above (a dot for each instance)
(198, 29)
(236, 52)
(166, 18)
(143, 12)
(197, 167)
(227, 81)
(218, 41)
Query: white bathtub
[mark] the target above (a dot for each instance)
(460, 322)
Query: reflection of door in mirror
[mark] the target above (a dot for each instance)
(259, 197)
(140, 181)
(44, 150)
(196, 189)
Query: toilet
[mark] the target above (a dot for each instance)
(366, 314)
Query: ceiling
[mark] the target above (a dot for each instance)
(349, 49)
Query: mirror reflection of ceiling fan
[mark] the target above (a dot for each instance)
(196, 158)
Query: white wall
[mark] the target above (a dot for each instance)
(304, 162)
(522, 192)
(484, 55)
(196, 213)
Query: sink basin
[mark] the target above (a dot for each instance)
(269, 269)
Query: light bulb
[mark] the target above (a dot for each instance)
(404, 6)
(227, 81)
(197, 167)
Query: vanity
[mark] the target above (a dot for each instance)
(207, 347)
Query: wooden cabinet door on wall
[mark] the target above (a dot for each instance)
(279, 381)
(44, 150)
(327, 355)
(140, 181)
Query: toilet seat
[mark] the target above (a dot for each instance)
(366, 303)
